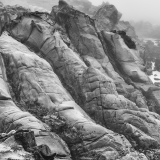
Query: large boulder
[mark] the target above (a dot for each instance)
(9, 13)
(107, 16)
(126, 57)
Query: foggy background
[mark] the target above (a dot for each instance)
(144, 15)
(136, 10)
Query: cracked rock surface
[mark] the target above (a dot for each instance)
(82, 92)
(12, 118)
(36, 83)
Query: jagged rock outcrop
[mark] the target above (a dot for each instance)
(12, 118)
(130, 33)
(82, 33)
(126, 26)
(90, 44)
(127, 58)
(87, 71)
(107, 16)
(9, 13)
(93, 90)
(38, 86)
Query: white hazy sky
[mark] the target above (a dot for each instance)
(147, 10)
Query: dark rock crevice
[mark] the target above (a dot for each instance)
(128, 41)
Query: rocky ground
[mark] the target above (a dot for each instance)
(74, 86)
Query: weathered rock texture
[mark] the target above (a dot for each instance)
(74, 69)
(107, 17)
(94, 91)
(38, 86)
(9, 13)
(126, 26)
(82, 33)
(12, 118)
(128, 59)
(92, 47)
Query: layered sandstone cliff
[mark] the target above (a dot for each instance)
(83, 81)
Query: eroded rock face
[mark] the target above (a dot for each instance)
(9, 13)
(93, 90)
(127, 58)
(79, 77)
(35, 82)
(107, 17)
(126, 26)
(12, 118)
(82, 33)
(91, 46)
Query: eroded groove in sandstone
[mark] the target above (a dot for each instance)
(12, 118)
(36, 83)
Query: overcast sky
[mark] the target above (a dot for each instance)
(147, 10)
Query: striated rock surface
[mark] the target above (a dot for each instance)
(107, 16)
(12, 118)
(126, 26)
(94, 91)
(85, 84)
(38, 86)
(127, 58)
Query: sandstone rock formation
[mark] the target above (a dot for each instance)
(38, 86)
(8, 13)
(12, 118)
(126, 26)
(107, 17)
(127, 58)
(86, 84)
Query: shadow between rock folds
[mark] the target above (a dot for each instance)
(97, 90)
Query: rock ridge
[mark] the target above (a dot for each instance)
(82, 80)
